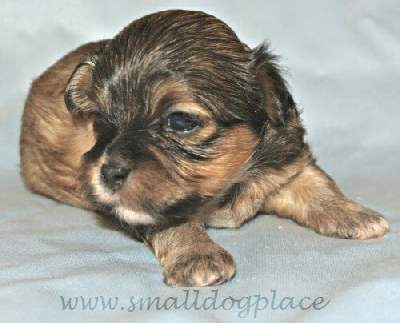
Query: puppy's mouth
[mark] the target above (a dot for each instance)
(106, 181)
(109, 190)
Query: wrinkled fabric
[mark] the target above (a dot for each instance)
(343, 59)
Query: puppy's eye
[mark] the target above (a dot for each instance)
(181, 122)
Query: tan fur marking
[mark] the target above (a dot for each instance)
(228, 164)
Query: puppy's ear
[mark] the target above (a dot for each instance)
(279, 104)
(77, 92)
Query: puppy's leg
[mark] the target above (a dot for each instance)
(189, 257)
(313, 200)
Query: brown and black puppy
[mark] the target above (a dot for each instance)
(175, 125)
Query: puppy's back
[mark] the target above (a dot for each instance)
(53, 140)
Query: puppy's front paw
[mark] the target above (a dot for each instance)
(199, 269)
(352, 221)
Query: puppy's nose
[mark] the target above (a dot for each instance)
(113, 175)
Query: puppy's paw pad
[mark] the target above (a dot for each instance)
(200, 270)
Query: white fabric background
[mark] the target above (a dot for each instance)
(343, 59)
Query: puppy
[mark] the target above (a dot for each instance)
(175, 125)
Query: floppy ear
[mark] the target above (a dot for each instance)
(279, 104)
(77, 92)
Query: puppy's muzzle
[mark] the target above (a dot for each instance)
(113, 174)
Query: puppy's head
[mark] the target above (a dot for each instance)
(181, 110)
